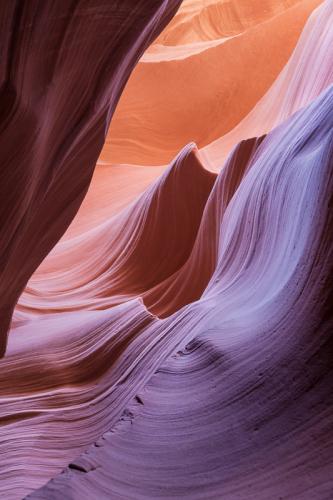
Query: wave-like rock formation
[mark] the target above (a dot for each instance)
(239, 391)
(137, 249)
(177, 340)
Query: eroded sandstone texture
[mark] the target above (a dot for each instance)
(175, 340)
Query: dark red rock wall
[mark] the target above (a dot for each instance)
(64, 65)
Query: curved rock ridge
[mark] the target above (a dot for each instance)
(220, 88)
(58, 94)
(145, 242)
(188, 283)
(129, 254)
(234, 392)
(308, 72)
